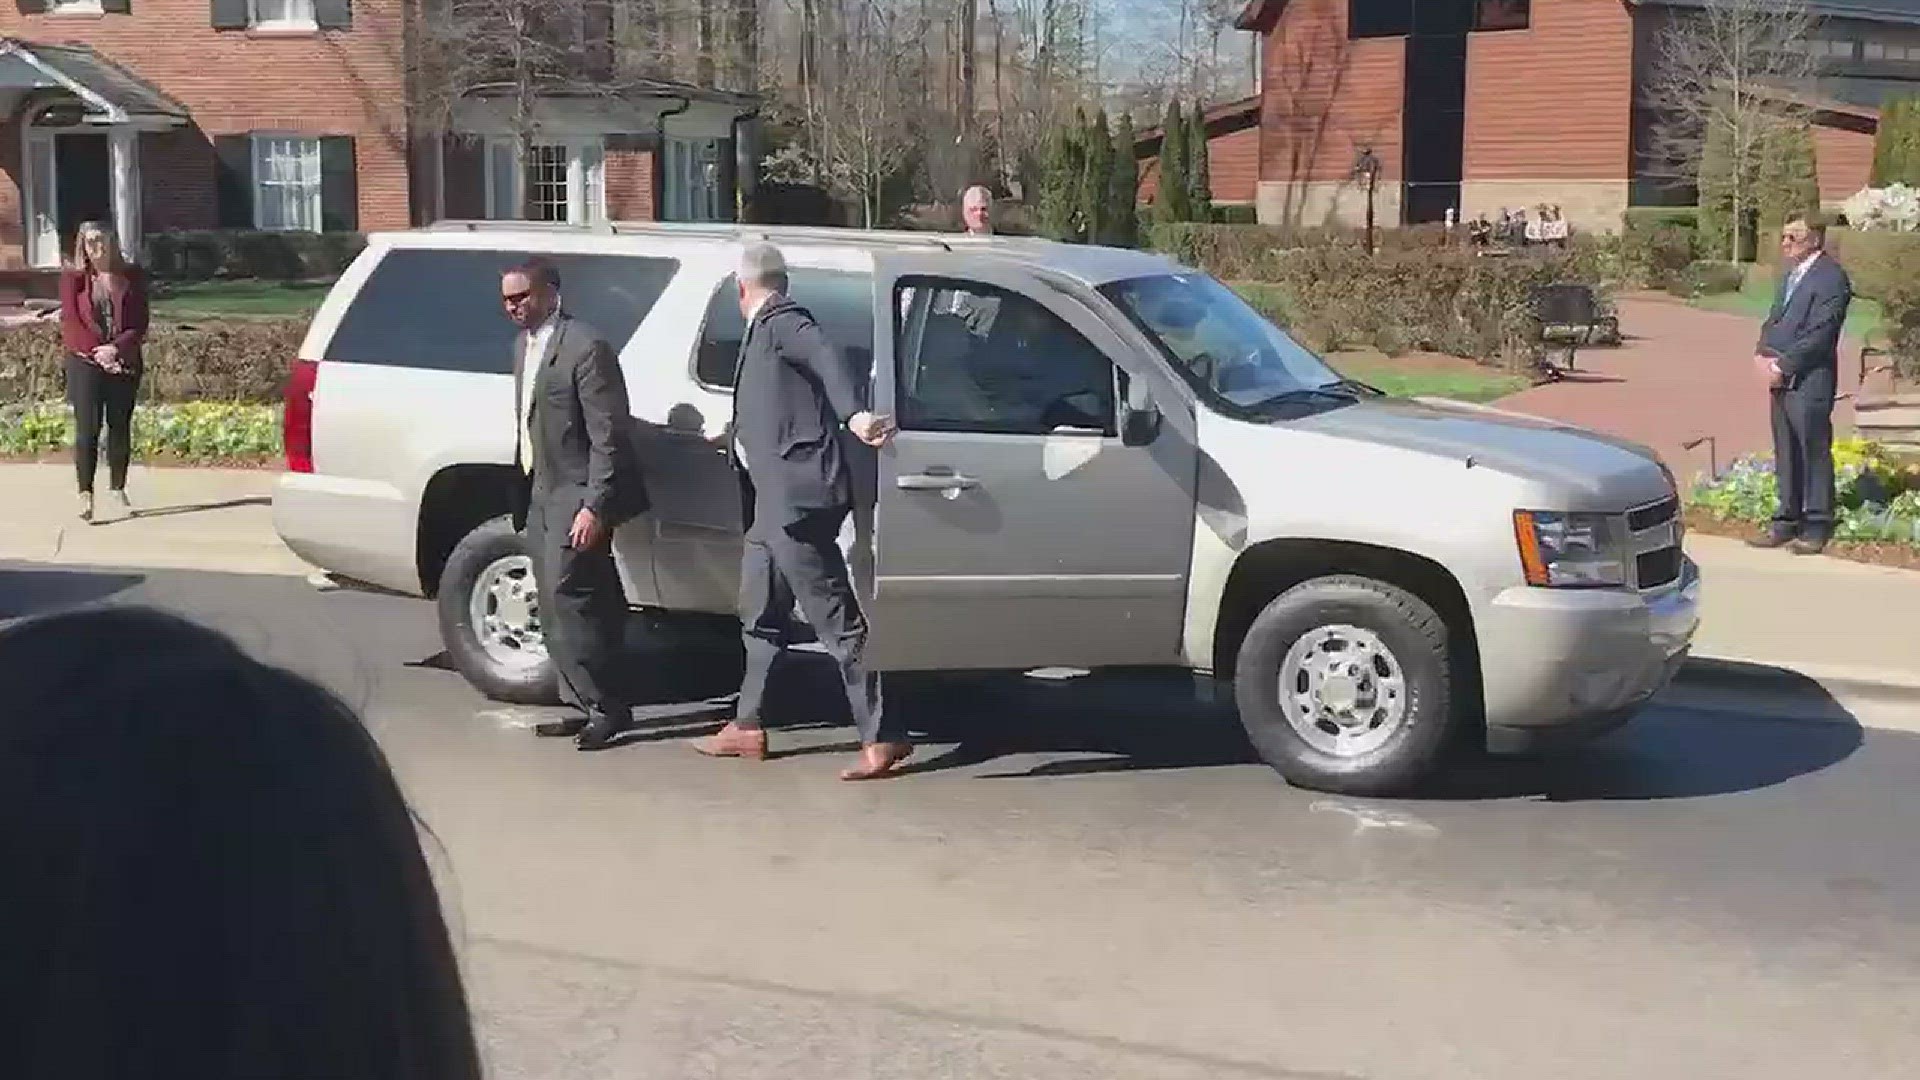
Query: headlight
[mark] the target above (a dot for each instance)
(1572, 551)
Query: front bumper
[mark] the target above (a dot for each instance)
(1578, 662)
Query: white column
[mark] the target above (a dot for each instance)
(123, 144)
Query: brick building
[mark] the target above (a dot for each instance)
(1483, 104)
(1233, 154)
(291, 115)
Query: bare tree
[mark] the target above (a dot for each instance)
(868, 129)
(515, 51)
(1717, 79)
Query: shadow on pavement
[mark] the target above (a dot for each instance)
(196, 508)
(38, 592)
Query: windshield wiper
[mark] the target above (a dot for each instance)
(1358, 387)
(1334, 393)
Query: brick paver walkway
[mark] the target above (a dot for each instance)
(1682, 373)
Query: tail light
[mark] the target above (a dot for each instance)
(297, 425)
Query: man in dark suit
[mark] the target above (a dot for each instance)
(793, 396)
(582, 482)
(1799, 357)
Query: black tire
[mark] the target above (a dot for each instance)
(1414, 635)
(526, 684)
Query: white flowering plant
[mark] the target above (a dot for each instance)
(1894, 208)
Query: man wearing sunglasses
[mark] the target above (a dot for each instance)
(582, 483)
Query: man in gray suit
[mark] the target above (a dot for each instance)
(582, 482)
(1799, 357)
(793, 396)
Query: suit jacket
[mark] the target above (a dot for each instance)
(80, 328)
(1802, 331)
(580, 425)
(793, 395)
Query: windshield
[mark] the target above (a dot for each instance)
(1220, 344)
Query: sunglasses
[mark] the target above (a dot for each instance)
(516, 299)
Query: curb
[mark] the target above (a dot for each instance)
(1753, 674)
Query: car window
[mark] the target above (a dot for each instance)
(841, 302)
(441, 310)
(987, 359)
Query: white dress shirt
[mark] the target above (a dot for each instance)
(538, 339)
(1795, 275)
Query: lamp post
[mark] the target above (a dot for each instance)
(1366, 166)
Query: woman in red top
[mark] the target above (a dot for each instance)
(103, 320)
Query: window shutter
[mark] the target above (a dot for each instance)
(333, 14)
(117, 7)
(230, 15)
(234, 180)
(339, 185)
(33, 7)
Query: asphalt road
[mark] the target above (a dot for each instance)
(1094, 880)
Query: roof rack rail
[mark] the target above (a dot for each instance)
(731, 230)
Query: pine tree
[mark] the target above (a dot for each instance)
(1096, 175)
(1174, 204)
(1199, 169)
(1896, 149)
(1123, 190)
(1056, 187)
(1789, 181)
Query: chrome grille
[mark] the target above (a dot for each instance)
(1653, 538)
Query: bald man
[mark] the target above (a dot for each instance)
(976, 211)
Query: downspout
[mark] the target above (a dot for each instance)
(660, 155)
(746, 165)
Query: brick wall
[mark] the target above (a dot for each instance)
(630, 183)
(1554, 101)
(1844, 153)
(319, 83)
(178, 170)
(1233, 166)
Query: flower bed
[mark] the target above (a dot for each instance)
(1877, 495)
(199, 433)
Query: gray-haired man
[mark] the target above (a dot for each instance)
(792, 396)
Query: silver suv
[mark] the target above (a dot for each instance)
(1105, 459)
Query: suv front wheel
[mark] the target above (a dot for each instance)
(1343, 685)
(489, 607)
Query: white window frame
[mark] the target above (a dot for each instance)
(76, 7)
(258, 141)
(309, 21)
(586, 177)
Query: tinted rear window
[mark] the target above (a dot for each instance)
(441, 309)
(841, 302)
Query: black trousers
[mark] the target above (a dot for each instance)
(583, 608)
(803, 561)
(101, 399)
(1803, 463)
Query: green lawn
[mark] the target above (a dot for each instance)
(206, 299)
(1475, 385)
(1755, 299)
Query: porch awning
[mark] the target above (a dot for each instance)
(111, 93)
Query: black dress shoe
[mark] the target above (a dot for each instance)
(561, 729)
(600, 733)
(1809, 545)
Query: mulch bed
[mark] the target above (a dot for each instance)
(163, 461)
(1899, 556)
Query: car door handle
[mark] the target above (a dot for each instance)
(935, 481)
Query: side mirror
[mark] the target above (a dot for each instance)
(1139, 417)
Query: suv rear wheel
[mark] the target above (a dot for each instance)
(1343, 686)
(489, 607)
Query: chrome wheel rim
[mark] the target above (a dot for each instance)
(1343, 691)
(505, 611)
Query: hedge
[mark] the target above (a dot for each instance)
(1452, 301)
(1253, 252)
(240, 361)
(200, 432)
(1658, 243)
(192, 256)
